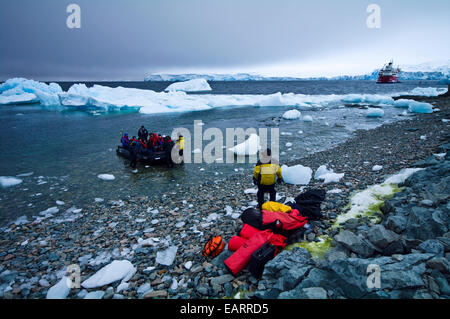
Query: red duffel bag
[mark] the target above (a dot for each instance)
(236, 262)
(236, 242)
(248, 231)
(285, 221)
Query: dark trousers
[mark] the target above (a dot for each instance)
(262, 189)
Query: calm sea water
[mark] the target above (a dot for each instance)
(62, 152)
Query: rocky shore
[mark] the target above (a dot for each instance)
(162, 238)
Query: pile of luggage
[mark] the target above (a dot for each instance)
(267, 231)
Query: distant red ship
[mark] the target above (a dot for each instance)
(388, 74)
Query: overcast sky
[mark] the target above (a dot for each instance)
(127, 40)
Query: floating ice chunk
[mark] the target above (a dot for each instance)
(27, 91)
(98, 200)
(98, 294)
(195, 85)
(423, 137)
(49, 212)
(8, 181)
(296, 175)
(288, 144)
(292, 115)
(25, 174)
(374, 112)
(376, 168)
(167, 256)
(250, 147)
(61, 290)
(307, 118)
(420, 107)
(60, 203)
(106, 177)
(117, 270)
(429, 91)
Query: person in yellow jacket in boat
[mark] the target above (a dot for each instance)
(266, 173)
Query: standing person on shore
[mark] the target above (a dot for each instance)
(265, 176)
(180, 143)
(143, 134)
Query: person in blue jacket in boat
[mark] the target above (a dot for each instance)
(125, 141)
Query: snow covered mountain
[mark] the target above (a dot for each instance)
(437, 71)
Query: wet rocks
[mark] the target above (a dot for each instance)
(354, 243)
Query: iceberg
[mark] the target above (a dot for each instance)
(296, 175)
(250, 147)
(29, 91)
(195, 85)
(292, 115)
(374, 112)
(117, 270)
(8, 181)
(420, 107)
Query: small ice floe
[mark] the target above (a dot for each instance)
(327, 175)
(106, 177)
(307, 118)
(423, 137)
(374, 112)
(251, 191)
(296, 175)
(166, 257)
(25, 174)
(22, 220)
(117, 270)
(445, 120)
(60, 203)
(292, 115)
(135, 171)
(300, 132)
(288, 144)
(98, 200)
(61, 290)
(8, 181)
(286, 133)
(376, 168)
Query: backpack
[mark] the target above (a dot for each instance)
(213, 247)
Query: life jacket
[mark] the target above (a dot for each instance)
(125, 141)
(140, 142)
(276, 207)
(266, 174)
(213, 247)
(180, 142)
(241, 257)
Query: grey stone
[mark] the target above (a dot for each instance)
(381, 237)
(354, 243)
(221, 279)
(432, 246)
(396, 223)
(439, 263)
(352, 273)
(336, 253)
(394, 248)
